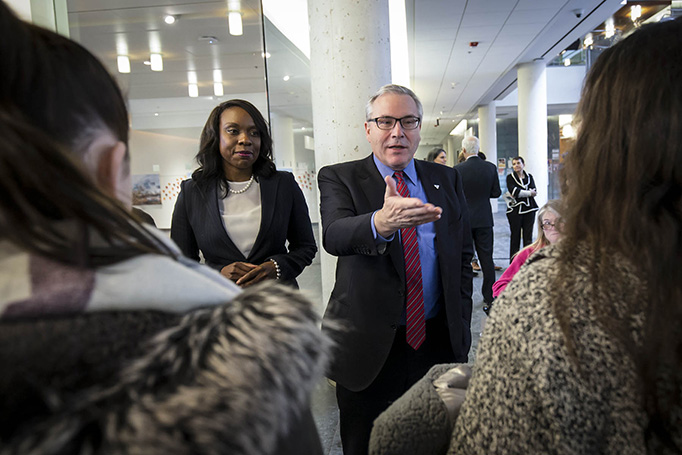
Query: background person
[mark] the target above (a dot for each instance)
(480, 183)
(522, 206)
(549, 232)
(237, 209)
(400, 229)
(438, 155)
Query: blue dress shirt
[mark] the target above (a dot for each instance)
(426, 237)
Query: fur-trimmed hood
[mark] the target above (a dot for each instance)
(228, 379)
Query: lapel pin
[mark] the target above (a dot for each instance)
(436, 186)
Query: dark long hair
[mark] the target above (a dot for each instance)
(211, 162)
(433, 154)
(55, 99)
(622, 185)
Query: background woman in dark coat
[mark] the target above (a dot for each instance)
(237, 209)
(521, 209)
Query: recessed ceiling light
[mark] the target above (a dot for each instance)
(193, 90)
(265, 55)
(123, 63)
(147, 62)
(234, 23)
(169, 19)
(286, 78)
(157, 62)
(156, 114)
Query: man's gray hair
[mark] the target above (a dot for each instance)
(397, 90)
(471, 145)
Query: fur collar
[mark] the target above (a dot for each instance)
(227, 379)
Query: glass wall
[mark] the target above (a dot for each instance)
(175, 62)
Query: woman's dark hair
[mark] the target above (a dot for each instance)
(519, 158)
(209, 158)
(433, 154)
(55, 99)
(622, 186)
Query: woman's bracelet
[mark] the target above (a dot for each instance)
(279, 271)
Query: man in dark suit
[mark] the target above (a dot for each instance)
(480, 182)
(400, 229)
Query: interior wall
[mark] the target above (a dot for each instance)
(169, 157)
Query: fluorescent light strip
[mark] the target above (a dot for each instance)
(123, 64)
(234, 21)
(218, 89)
(157, 62)
(400, 66)
(193, 90)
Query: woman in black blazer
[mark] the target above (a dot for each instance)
(237, 209)
(521, 207)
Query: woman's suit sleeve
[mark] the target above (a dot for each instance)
(302, 247)
(181, 229)
(513, 187)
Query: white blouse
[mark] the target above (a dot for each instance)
(241, 214)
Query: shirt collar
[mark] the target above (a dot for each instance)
(384, 170)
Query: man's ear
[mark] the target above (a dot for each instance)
(110, 168)
(367, 130)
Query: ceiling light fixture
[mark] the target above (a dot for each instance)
(156, 62)
(397, 26)
(610, 28)
(169, 19)
(460, 129)
(286, 78)
(635, 12)
(218, 83)
(234, 22)
(123, 64)
(193, 90)
(218, 89)
(588, 41)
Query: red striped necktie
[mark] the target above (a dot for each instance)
(416, 326)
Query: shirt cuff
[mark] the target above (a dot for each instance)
(378, 239)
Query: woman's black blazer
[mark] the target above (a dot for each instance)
(197, 225)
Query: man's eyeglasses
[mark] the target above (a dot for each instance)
(387, 123)
(547, 226)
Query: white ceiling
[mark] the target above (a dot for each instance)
(448, 75)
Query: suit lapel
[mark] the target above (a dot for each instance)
(372, 183)
(268, 194)
(435, 190)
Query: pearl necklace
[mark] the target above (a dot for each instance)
(243, 190)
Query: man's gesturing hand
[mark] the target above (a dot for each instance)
(400, 212)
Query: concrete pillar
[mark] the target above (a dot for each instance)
(487, 134)
(532, 82)
(283, 140)
(349, 60)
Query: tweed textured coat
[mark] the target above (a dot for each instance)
(527, 396)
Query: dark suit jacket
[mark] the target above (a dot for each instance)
(197, 225)
(480, 182)
(369, 295)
